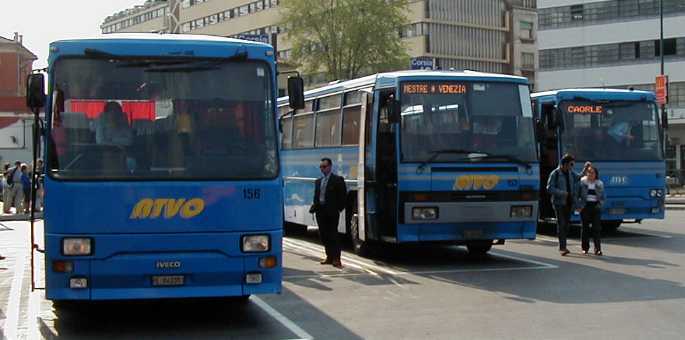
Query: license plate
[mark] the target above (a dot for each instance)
(617, 211)
(473, 234)
(169, 280)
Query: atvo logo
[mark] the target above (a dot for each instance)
(169, 207)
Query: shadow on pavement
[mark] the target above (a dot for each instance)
(570, 283)
(218, 318)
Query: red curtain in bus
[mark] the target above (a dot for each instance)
(135, 110)
(139, 110)
(92, 108)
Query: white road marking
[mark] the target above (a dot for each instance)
(521, 259)
(369, 268)
(345, 258)
(639, 232)
(32, 315)
(14, 303)
(281, 318)
(318, 252)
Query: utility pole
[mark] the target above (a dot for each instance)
(664, 117)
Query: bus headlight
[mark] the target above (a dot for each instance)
(656, 193)
(521, 211)
(424, 213)
(255, 243)
(76, 246)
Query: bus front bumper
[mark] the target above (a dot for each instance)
(162, 266)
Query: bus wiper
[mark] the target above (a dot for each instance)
(187, 67)
(509, 158)
(436, 153)
(94, 52)
(152, 63)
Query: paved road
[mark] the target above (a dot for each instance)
(523, 289)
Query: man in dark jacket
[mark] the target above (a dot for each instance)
(563, 186)
(329, 200)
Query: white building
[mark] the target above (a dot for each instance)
(615, 43)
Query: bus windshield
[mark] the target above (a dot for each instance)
(162, 118)
(484, 117)
(616, 130)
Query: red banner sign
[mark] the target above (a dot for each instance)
(662, 89)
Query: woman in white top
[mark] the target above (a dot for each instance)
(592, 195)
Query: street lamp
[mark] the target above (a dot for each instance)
(664, 115)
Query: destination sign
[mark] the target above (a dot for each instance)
(585, 108)
(433, 88)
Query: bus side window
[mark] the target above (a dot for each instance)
(351, 116)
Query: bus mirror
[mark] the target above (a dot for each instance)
(539, 131)
(557, 119)
(664, 119)
(35, 91)
(296, 92)
(394, 111)
(280, 125)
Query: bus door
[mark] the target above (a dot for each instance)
(549, 155)
(386, 165)
(363, 218)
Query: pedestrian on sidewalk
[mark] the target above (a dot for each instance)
(592, 197)
(330, 193)
(564, 188)
(26, 186)
(16, 189)
(5, 186)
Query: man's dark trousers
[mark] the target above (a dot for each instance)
(563, 213)
(327, 220)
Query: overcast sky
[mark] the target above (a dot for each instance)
(44, 21)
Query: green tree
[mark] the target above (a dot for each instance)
(346, 38)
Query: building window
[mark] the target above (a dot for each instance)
(526, 30)
(577, 12)
(670, 47)
(528, 60)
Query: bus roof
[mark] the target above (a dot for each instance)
(172, 45)
(391, 79)
(162, 37)
(596, 94)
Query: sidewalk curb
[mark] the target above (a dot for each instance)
(675, 207)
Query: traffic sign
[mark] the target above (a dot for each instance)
(422, 63)
(262, 38)
(662, 89)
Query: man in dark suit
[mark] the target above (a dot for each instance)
(329, 200)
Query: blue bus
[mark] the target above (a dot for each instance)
(162, 174)
(427, 157)
(617, 130)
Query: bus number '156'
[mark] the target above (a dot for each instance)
(252, 194)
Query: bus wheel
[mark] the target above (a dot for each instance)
(294, 229)
(69, 306)
(611, 226)
(359, 247)
(479, 247)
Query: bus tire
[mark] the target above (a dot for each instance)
(294, 229)
(611, 226)
(479, 248)
(69, 306)
(360, 247)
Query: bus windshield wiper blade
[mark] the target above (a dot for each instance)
(436, 153)
(510, 158)
(186, 67)
(94, 52)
